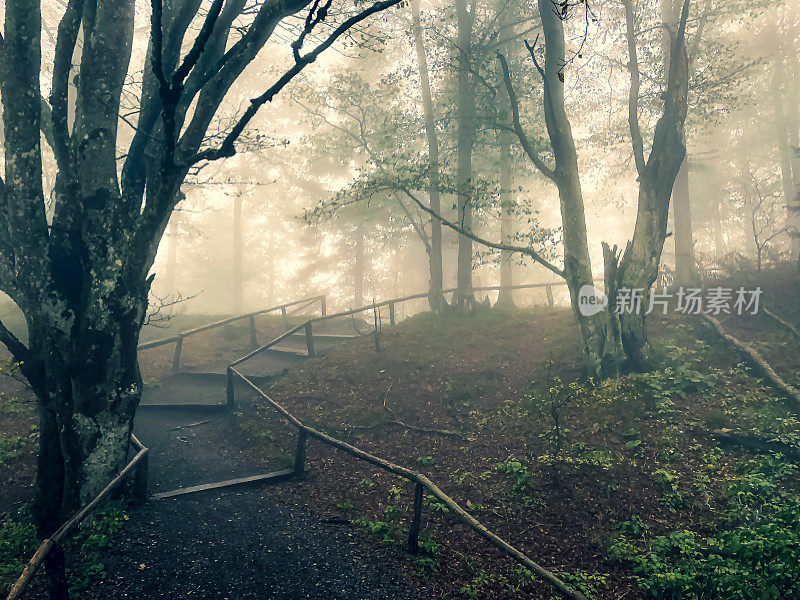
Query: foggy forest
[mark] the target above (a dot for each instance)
(400, 299)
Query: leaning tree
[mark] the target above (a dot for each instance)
(78, 262)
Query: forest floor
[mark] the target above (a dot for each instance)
(629, 489)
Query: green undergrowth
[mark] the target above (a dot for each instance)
(86, 550)
(752, 554)
(714, 522)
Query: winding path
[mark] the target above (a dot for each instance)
(242, 542)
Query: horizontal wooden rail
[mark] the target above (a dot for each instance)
(267, 346)
(173, 339)
(390, 303)
(420, 480)
(139, 460)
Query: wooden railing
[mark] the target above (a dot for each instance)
(307, 326)
(295, 306)
(139, 463)
(137, 466)
(422, 485)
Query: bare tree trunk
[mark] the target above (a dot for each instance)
(638, 268)
(601, 345)
(358, 267)
(716, 224)
(793, 121)
(435, 294)
(505, 296)
(505, 138)
(685, 267)
(270, 270)
(172, 254)
(782, 135)
(466, 139)
(236, 273)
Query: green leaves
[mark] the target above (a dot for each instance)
(754, 556)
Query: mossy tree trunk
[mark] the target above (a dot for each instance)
(80, 269)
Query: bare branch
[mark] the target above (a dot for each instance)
(523, 138)
(62, 63)
(227, 149)
(507, 247)
(633, 95)
(191, 58)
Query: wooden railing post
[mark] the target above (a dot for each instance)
(391, 313)
(416, 519)
(310, 341)
(253, 332)
(285, 319)
(230, 389)
(549, 290)
(176, 359)
(300, 455)
(140, 480)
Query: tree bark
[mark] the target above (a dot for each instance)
(600, 341)
(782, 136)
(638, 269)
(505, 296)
(270, 269)
(465, 108)
(793, 119)
(685, 265)
(358, 266)
(172, 254)
(436, 298)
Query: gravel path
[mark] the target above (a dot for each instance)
(247, 546)
(237, 543)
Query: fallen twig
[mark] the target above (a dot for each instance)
(190, 425)
(426, 430)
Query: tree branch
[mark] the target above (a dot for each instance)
(507, 247)
(199, 45)
(227, 149)
(65, 46)
(523, 138)
(633, 94)
(420, 232)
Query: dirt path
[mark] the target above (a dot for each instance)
(241, 542)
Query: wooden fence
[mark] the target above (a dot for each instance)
(284, 309)
(422, 485)
(139, 463)
(308, 325)
(137, 466)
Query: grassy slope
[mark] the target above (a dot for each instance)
(629, 451)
